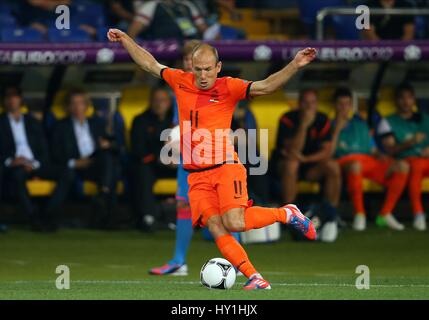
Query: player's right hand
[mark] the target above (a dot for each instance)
(115, 35)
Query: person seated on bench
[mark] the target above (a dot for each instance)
(359, 158)
(80, 146)
(304, 144)
(24, 154)
(405, 135)
(146, 146)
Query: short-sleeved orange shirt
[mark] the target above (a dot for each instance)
(203, 117)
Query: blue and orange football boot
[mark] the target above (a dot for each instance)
(300, 222)
(257, 283)
(170, 269)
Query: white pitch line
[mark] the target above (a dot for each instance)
(118, 266)
(14, 261)
(138, 282)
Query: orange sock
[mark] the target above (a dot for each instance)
(355, 189)
(234, 253)
(395, 186)
(415, 185)
(259, 217)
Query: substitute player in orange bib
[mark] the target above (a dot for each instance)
(217, 180)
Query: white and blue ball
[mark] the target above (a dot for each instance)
(218, 273)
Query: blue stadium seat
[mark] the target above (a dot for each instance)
(102, 34)
(231, 33)
(344, 25)
(21, 35)
(309, 8)
(7, 20)
(5, 8)
(72, 35)
(85, 12)
(421, 23)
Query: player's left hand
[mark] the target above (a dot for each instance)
(305, 56)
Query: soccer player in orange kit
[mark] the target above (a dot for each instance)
(218, 191)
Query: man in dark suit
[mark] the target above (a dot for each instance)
(145, 152)
(24, 154)
(3, 227)
(80, 145)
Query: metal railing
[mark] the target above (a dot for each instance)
(322, 14)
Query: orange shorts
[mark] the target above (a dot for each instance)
(215, 191)
(372, 168)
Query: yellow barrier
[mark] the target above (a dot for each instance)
(43, 188)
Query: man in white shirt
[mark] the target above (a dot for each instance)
(80, 146)
(24, 155)
(168, 19)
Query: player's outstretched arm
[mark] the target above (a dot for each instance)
(280, 78)
(140, 56)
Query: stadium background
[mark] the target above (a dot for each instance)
(261, 40)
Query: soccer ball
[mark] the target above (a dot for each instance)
(218, 273)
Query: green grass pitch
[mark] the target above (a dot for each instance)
(113, 265)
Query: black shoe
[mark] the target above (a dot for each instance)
(37, 226)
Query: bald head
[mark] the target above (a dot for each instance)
(205, 65)
(204, 50)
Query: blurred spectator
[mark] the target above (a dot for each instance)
(404, 135)
(358, 157)
(24, 154)
(80, 145)
(121, 13)
(39, 14)
(168, 19)
(258, 185)
(210, 9)
(399, 27)
(145, 151)
(304, 144)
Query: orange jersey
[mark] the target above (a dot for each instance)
(203, 116)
